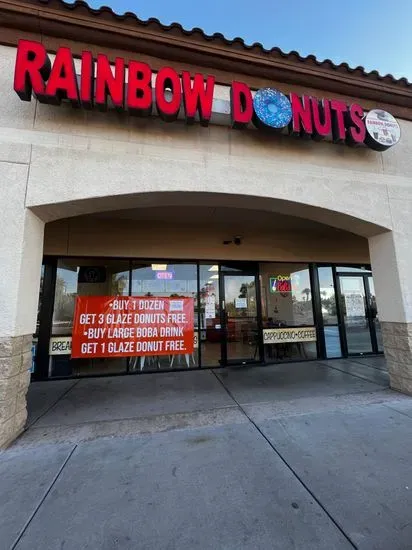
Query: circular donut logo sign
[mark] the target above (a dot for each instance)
(382, 130)
(272, 108)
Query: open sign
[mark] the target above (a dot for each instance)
(280, 283)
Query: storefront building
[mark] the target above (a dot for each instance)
(243, 312)
(186, 202)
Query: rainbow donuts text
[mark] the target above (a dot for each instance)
(132, 86)
(309, 117)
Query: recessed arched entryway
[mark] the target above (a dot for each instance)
(212, 241)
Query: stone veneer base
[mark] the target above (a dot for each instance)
(15, 363)
(397, 341)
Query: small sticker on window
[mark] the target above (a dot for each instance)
(176, 305)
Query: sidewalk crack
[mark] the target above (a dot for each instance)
(289, 467)
(56, 477)
(52, 405)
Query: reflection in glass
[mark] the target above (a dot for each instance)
(354, 310)
(375, 314)
(242, 334)
(329, 312)
(166, 280)
(327, 296)
(348, 268)
(287, 302)
(40, 299)
(291, 351)
(210, 322)
(238, 267)
(332, 342)
(286, 308)
(85, 277)
(36, 334)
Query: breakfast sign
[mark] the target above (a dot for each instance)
(131, 85)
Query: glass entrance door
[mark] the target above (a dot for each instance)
(241, 344)
(360, 316)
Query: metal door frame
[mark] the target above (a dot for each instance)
(253, 271)
(372, 332)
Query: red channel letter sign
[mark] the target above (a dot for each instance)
(108, 326)
(101, 80)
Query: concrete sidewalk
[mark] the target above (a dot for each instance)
(307, 455)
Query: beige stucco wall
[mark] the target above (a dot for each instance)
(59, 162)
(79, 156)
(79, 162)
(86, 236)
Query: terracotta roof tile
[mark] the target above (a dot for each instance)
(237, 42)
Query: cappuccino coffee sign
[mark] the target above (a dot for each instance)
(289, 335)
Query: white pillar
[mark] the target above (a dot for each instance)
(21, 248)
(391, 257)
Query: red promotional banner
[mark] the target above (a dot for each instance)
(108, 326)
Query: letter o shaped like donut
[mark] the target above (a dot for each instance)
(272, 108)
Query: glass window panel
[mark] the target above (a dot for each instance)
(85, 277)
(296, 351)
(162, 279)
(210, 322)
(375, 314)
(332, 342)
(286, 294)
(238, 267)
(40, 299)
(357, 329)
(241, 318)
(352, 269)
(327, 296)
(36, 334)
(287, 302)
